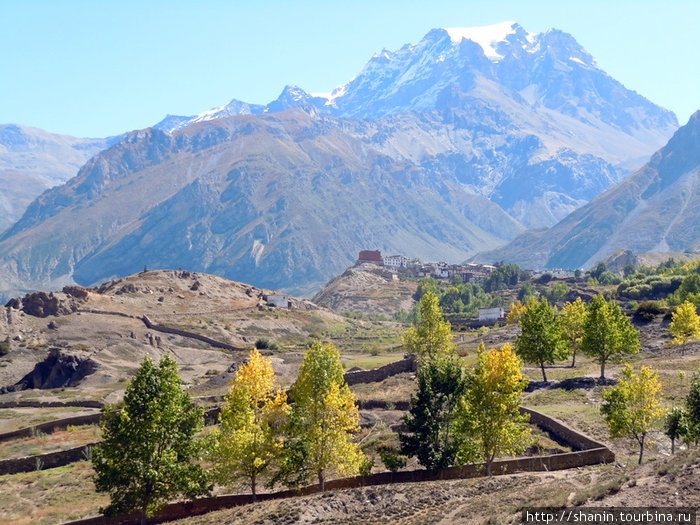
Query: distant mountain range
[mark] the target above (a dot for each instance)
(656, 209)
(439, 150)
(33, 160)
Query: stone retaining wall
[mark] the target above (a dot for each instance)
(575, 439)
(51, 404)
(371, 404)
(44, 461)
(168, 330)
(408, 364)
(51, 426)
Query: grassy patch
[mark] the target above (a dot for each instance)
(43, 443)
(50, 496)
(16, 418)
(393, 389)
(369, 361)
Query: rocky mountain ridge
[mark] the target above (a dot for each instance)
(656, 209)
(33, 160)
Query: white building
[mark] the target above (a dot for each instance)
(278, 300)
(396, 261)
(491, 314)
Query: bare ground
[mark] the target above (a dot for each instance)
(498, 500)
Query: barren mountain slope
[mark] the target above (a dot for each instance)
(656, 209)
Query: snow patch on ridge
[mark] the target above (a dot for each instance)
(487, 36)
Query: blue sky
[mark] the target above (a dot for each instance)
(102, 67)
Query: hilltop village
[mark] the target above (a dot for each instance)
(415, 269)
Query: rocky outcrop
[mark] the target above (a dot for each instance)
(59, 369)
(42, 304)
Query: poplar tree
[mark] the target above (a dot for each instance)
(540, 340)
(515, 312)
(692, 409)
(249, 441)
(573, 316)
(632, 407)
(675, 426)
(430, 435)
(431, 334)
(685, 324)
(607, 333)
(322, 419)
(149, 453)
(489, 418)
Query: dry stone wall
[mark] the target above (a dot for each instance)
(408, 364)
(44, 461)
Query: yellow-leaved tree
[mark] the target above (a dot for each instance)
(489, 418)
(431, 334)
(516, 310)
(573, 316)
(249, 441)
(632, 407)
(322, 421)
(685, 324)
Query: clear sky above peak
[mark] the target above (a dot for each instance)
(98, 68)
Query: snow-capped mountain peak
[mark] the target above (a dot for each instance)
(488, 37)
(526, 75)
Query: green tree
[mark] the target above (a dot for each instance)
(322, 419)
(692, 409)
(607, 333)
(632, 407)
(572, 319)
(540, 340)
(674, 426)
(249, 442)
(430, 434)
(526, 292)
(557, 292)
(685, 324)
(431, 334)
(489, 418)
(148, 453)
(689, 290)
(425, 285)
(598, 270)
(504, 276)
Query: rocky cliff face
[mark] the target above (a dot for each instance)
(367, 290)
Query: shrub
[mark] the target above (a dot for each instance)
(264, 343)
(392, 459)
(544, 278)
(646, 311)
(4, 348)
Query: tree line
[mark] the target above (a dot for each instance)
(600, 330)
